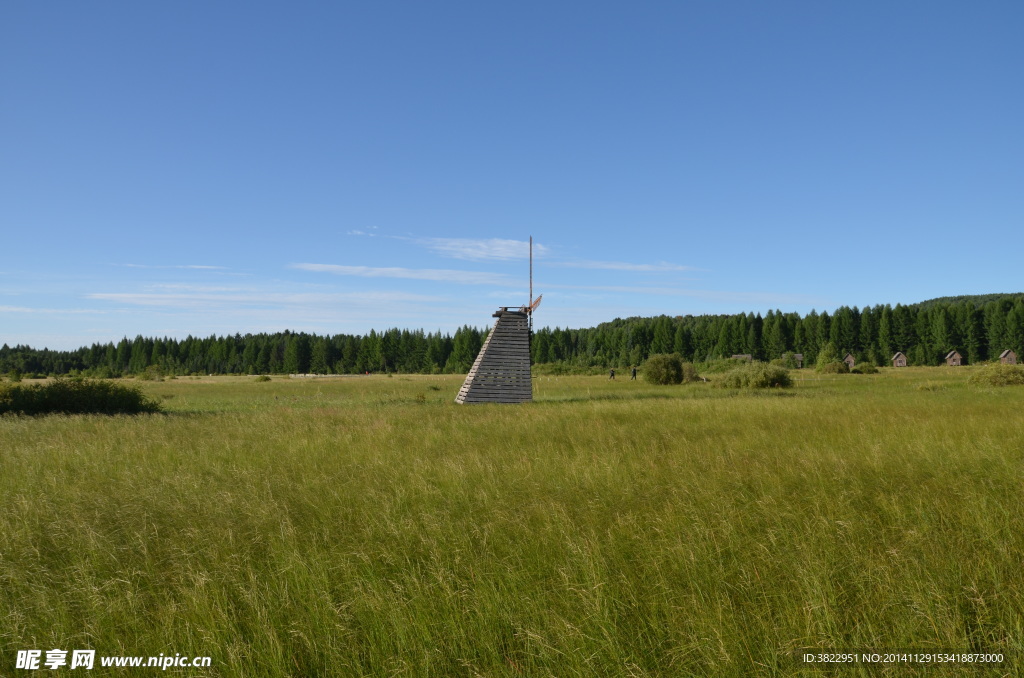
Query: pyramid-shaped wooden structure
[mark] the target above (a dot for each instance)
(501, 371)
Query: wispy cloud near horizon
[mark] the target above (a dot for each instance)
(623, 266)
(200, 267)
(711, 295)
(490, 249)
(53, 311)
(432, 274)
(206, 299)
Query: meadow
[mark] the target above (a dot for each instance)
(369, 526)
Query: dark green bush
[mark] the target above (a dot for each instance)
(151, 373)
(835, 367)
(999, 375)
(75, 396)
(827, 356)
(788, 360)
(690, 373)
(755, 375)
(262, 377)
(103, 372)
(865, 368)
(664, 369)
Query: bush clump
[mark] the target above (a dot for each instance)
(828, 356)
(756, 375)
(836, 367)
(999, 375)
(789, 361)
(664, 369)
(669, 368)
(151, 373)
(262, 377)
(75, 396)
(865, 368)
(690, 373)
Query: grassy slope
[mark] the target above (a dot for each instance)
(368, 526)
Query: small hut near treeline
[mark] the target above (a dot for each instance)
(799, 358)
(954, 359)
(899, 360)
(849, 360)
(1008, 357)
(743, 356)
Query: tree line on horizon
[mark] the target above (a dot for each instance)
(980, 328)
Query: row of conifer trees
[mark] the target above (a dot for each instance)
(979, 327)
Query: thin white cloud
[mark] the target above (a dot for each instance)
(186, 287)
(711, 295)
(432, 274)
(491, 249)
(622, 266)
(50, 311)
(190, 266)
(259, 299)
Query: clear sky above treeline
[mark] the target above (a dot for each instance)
(199, 168)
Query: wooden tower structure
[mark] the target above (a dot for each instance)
(501, 371)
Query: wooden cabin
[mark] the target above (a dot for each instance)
(743, 356)
(1008, 357)
(799, 358)
(899, 360)
(954, 359)
(849, 360)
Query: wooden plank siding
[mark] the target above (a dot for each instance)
(501, 371)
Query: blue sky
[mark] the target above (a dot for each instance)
(209, 168)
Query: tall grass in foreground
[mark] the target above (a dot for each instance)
(352, 527)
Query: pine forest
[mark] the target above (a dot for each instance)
(979, 327)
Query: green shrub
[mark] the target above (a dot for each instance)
(835, 367)
(788, 360)
(999, 375)
(14, 375)
(865, 368)
(151, 373)
(690, 373)
(664, 369)
(75, 396)
(827, 355)
(262, 377)
(755, 375)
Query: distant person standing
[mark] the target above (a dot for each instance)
(611, 374)
(633, 377)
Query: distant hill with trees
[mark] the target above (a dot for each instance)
(976, 299)
(980, 327)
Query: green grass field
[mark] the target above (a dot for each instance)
(369, 526)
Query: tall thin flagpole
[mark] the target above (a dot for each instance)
(529, 302)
